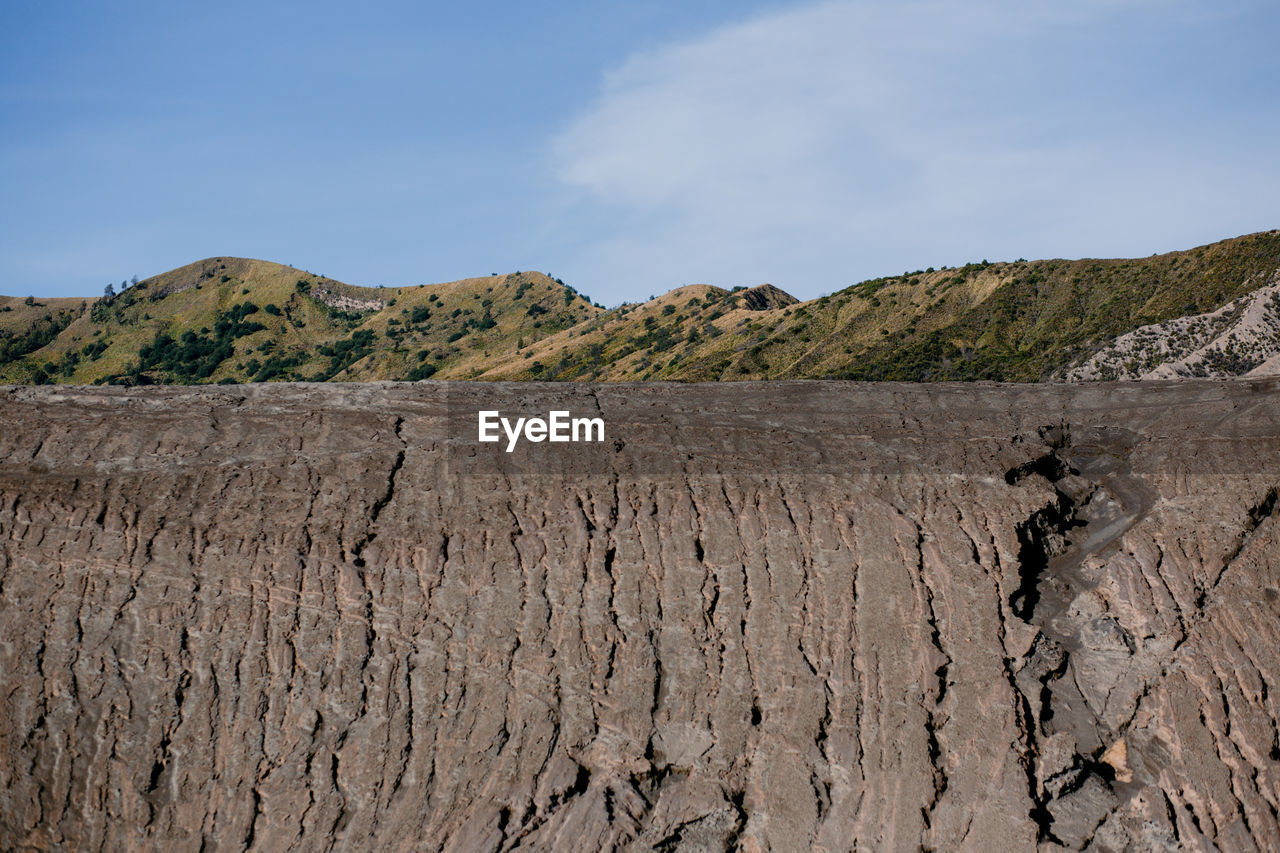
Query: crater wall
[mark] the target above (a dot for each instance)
(759, 616)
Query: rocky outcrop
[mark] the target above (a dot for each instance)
(758, 616)
(763, 297)
(329, 294)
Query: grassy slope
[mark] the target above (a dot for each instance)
(1050, 313)
(27, 324)
(104, 343)
(1016, 321)
(1006, 321)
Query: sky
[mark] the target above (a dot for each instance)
(627, 148)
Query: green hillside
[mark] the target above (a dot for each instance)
(1014, 321)
(237, 320)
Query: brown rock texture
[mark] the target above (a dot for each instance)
(759, 616)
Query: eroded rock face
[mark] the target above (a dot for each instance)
(774, 616)
(1242, 338)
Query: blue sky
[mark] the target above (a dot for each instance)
(627, 148)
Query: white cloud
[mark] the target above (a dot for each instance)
(831, 142)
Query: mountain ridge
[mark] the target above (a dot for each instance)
(227, 319)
